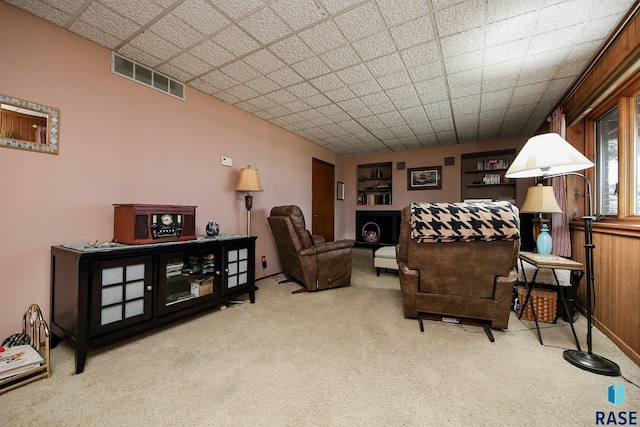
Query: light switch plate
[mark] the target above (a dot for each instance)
(226, 161)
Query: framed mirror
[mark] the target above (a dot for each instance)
(28, 126)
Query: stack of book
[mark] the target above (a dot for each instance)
(18, 359)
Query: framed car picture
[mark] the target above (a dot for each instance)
(426, 178)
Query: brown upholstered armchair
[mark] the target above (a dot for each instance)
(458, 260)
(308, 259)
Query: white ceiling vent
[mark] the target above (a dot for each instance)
(146, 76)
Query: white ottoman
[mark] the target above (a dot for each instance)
(385, 257)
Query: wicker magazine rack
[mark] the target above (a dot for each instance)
(35, 327)
(545, 302)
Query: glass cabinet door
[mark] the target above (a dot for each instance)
(121, 293)
(237, 268)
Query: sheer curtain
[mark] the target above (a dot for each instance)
(560, 221)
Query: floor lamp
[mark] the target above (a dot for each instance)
(548, 156)
(248, 181)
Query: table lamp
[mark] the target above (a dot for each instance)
(248, 181)
(547, 156)
(540, 199)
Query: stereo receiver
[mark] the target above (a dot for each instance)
(137, 224)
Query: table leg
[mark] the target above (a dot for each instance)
(561, 292)
(528, 299)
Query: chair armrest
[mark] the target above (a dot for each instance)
(317, 239)
(326, 247)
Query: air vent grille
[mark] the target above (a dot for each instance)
(146, 76)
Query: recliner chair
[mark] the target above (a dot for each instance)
(307, 259)
(458, 260)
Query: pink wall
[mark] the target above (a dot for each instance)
(121, 142)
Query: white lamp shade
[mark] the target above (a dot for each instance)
(540, 199)
(249, 180)
(547, 154)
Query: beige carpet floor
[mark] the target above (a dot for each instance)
(342, 357)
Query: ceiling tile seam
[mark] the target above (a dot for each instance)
(442, 64)
(77, 14)
(146, 26)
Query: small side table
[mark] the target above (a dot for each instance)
(552, 262)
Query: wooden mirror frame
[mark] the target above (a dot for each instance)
(53, 117)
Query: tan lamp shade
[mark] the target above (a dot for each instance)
(249, 180)
(540, 199)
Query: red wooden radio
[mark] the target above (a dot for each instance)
(138, 224)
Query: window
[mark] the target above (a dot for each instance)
(607, 163)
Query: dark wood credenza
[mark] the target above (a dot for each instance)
(106, 294)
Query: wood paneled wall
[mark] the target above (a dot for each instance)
(617, 288)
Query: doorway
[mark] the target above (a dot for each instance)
(322, 199)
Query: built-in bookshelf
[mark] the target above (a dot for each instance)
(483, 176)
(375, 184)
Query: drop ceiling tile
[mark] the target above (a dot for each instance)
(511, 29)
(190, 63)
(141, 12)
(240, 71)
(377, 98)
(383, 108)
(237, 9)
(413, 33)
(442, 125)
(56, 14)
(438, 110)
(285, 77)
(227, 97)
(323, 37)
(365, 88)
(246, 107)
(296, 106)
(460, 43)
(385, 65)
(265, 25)
(199, 14)
(351, 104)
(138, 55)
(461, 17)
(263, 85)
(242, 92)
(317, 100)
(499, 83)
(97, 35)
(176, 30)
(371, 123)
(375, 46)
(108, 21)
(506, 52)
(339, 94)
(263, 115)
(426, 72)
(394, 80)
(495, 100)
(360, 22)
(262, 102)
(281, 96)
(554, 40)
(264, 61)
(219, 80)
(360, 112)
(68, 6)
(421, 128)
(468, 105)
(414, 115)
(298, 13)
(175, 72)
(498, 10)
(423, 54)
(303, 90)
(340, 58)
(211, 53)
(154, 45)
(277, 111)
(398, 12)
(327, 82)
(236, 41)
(433, 90)
(402, 131)
(310, 68)
(291, 50)
(354, 75)
(468, 61)
(391, 118)
(465, 90)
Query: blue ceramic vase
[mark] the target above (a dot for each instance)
(543, 242)
(212, 229)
